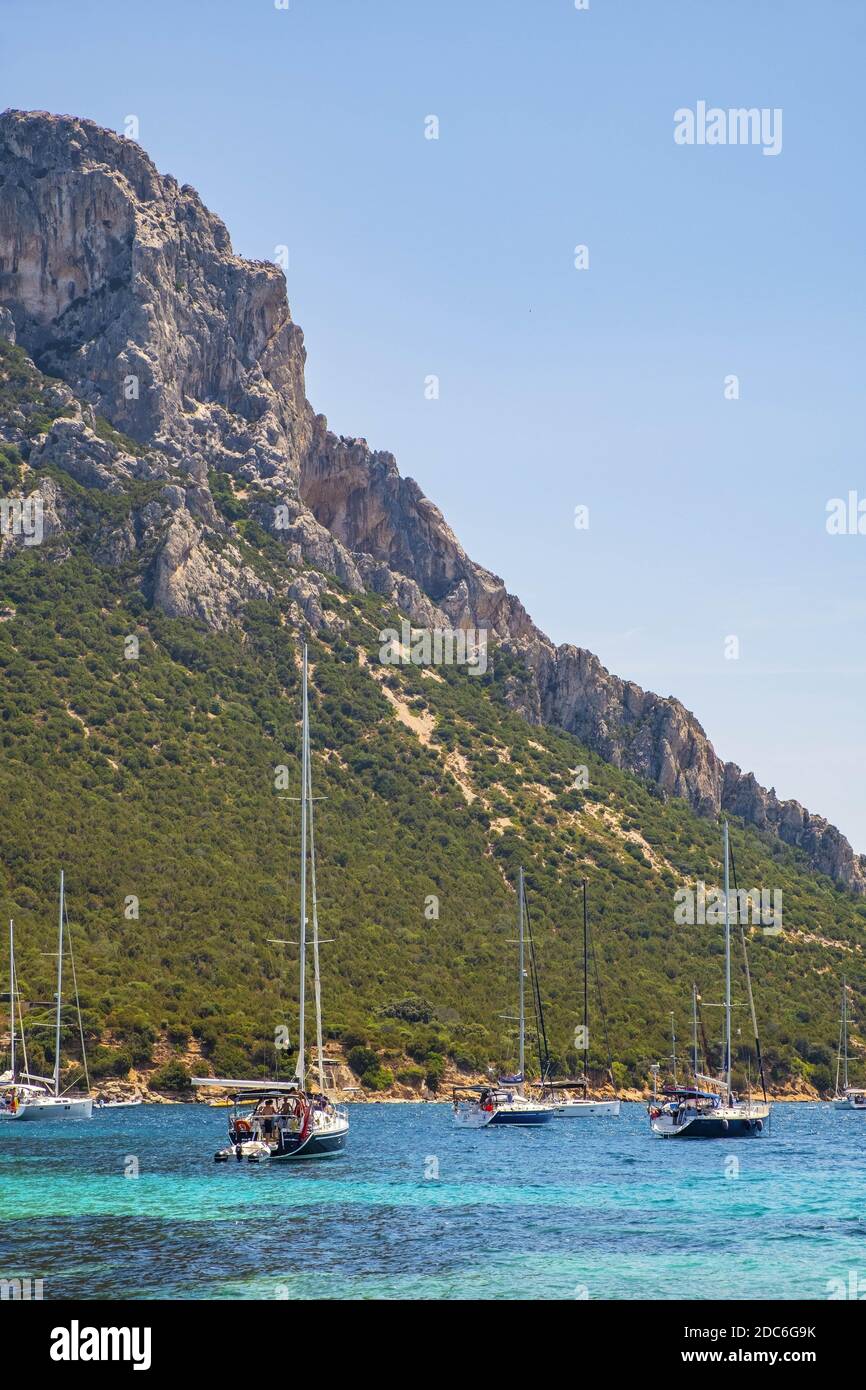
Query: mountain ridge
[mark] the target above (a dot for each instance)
(120, 282)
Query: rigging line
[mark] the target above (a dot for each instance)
(546, 1072)
(77, 1000)
(601, 1010)
(21, 1023)
(841, 1031)
(708, 1064)
(278, 960)
(585, 980)
(540, 1030)
(317, 982)
(748, 978)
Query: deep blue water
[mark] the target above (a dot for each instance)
(592, 1208)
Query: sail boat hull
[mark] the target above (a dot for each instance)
(855, 1100)
(497, 1111)
(723, 1122)
(299, 1133)
(52, 1109)
(527, 1116)
(580, 1109)
(317, 1146)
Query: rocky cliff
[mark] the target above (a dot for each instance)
(179, 365)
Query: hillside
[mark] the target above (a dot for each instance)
(208, 513)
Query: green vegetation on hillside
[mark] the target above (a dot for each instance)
(155, 783)
(156, 779)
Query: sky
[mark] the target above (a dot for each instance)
(606, 387)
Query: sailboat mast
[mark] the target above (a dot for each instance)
(845, 1033)
(317, 981)
(12, 998)
(674, 1046)
(585, 987)
(695, 1031)
(727, 969)
(300, 1069)
(59, 994)
(520, 911)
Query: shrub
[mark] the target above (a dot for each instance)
(362, 1059)
(172, 1077)
(377, 1079)
(410, 1076)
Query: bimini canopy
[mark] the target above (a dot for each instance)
(247, 1088)
(561, 1085)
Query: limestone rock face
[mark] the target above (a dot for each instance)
(123, 285)
(192, 582)
(361, 498)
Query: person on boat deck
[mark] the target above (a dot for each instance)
(267, 1111)
(286, 1108)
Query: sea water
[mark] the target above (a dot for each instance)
(131, 1205)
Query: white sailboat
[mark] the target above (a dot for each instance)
(288, 1120)
(849, 1097)
(687, 1112)
(27, 1097)
(505, 1103)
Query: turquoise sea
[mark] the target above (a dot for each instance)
(594, 1209)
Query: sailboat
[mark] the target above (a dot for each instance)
(505, 1102)
(850, 1097)
(289, 1119)
(22, 1095)
(714, 1112)
(571, 1097)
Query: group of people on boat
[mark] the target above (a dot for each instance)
(9, 1100)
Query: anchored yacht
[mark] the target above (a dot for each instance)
(279, 1120)
(504, 1103)
(847, 1097)
(24, 1096)
(683, 1112)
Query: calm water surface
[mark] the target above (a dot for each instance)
(582, 1208)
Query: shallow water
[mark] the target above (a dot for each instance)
(592, 1208)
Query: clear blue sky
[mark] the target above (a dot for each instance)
(559, 387)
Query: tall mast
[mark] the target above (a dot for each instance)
(585, 990)
(674, 1046)
(300, 1069)
(12, 993)
(695, 1030)
(520, 910)
(845, 1033)
(317, 984)
(59, 994)
(727, 970)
